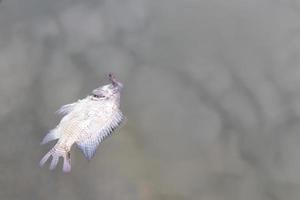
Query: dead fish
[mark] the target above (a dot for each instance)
(87, 123)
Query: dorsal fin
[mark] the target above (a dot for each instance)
(89, 145)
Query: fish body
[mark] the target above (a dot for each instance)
(87, 123)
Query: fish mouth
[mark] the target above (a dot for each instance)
(117, 85)
(112, 79)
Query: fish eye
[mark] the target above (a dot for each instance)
(98, 95)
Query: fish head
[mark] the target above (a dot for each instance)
(110, 91)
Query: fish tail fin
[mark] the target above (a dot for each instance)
(56, 153)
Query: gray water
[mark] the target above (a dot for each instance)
(212, 97)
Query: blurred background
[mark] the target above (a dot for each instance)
(212, 97)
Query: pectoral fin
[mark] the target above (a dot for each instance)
(52, 135)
